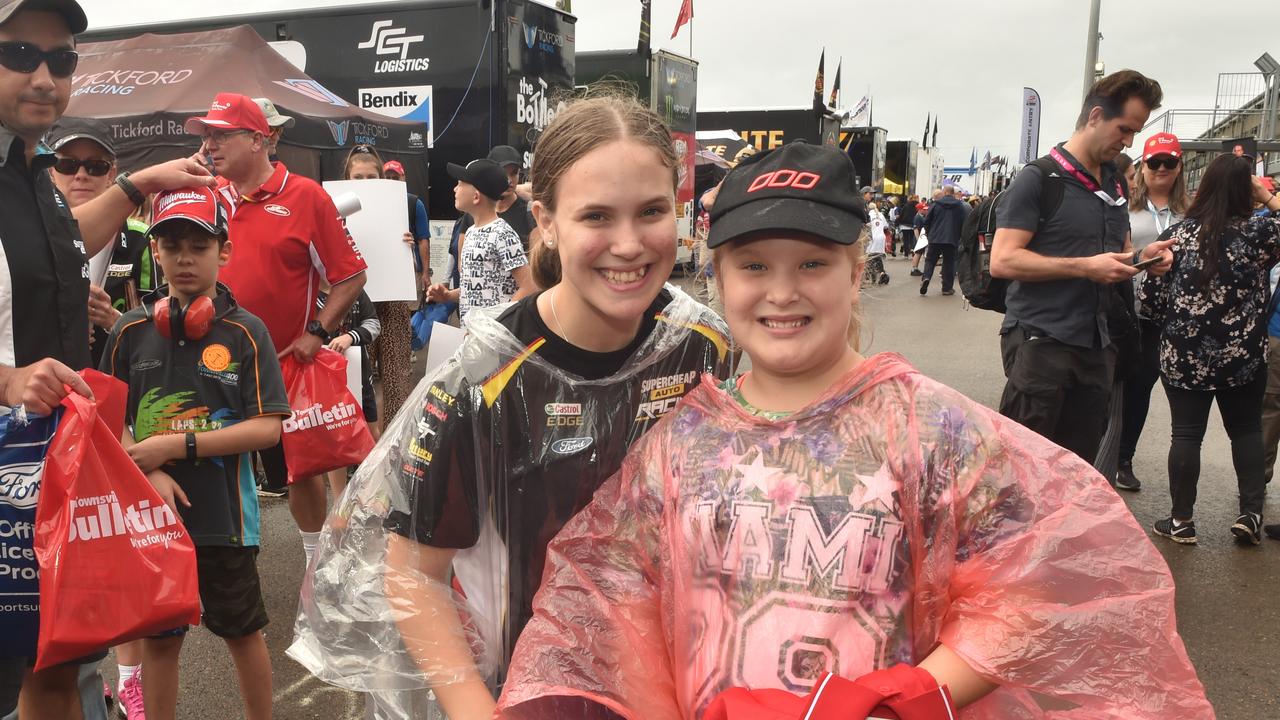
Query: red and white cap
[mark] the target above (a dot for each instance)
(393, 166)
(1161, 144)
(230, 111)
(197, 205)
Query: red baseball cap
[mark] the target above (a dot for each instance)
(230, 111)
(393, 166)
(1161, 144)
(197, 205)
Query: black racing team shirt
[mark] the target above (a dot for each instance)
(229, 375)
(45, 312)
(550, 443)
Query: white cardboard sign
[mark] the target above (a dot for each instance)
(378, 229)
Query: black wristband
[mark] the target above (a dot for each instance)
(191, 447)
(135, 196)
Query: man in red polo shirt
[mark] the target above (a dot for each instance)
(288, 236)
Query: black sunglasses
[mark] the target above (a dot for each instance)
(1168, 162)
(362, 150)
(71, 166)
(25, 57)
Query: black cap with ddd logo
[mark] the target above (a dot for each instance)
(795, 188)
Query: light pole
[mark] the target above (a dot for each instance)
(1091, 48)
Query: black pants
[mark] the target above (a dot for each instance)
(1137, 390)
(1058, 390)
(1241, 410)
(948, 253)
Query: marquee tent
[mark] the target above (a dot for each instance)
(144, 88)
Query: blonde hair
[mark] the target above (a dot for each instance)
(585, 124)
(857, 253)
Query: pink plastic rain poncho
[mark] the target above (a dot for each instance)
(890, 516)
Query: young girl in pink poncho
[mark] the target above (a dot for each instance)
(829, 513)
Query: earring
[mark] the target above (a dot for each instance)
(550, 244)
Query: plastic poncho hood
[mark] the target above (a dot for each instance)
(493, 452)
(890, 516)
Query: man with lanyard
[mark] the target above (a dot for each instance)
(44, 276)
(287, 235)
(1055, 341)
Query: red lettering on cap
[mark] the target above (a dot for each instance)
(795, 179)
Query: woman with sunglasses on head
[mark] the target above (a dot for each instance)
(393, 351)
(508, 439)
(1211, 311)
(1157, 200)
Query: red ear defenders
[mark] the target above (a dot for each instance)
(178, 323)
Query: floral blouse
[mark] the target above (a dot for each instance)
(1214, 335)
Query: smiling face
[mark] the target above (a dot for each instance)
(190, 257)
(30, 103)
(82, 187)
(614, 227)
(789, 301)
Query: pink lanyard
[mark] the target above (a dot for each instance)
(1088, 181)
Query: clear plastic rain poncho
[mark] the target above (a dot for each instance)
(891, 515)
(491, 455)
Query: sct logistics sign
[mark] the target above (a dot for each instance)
(406, 102)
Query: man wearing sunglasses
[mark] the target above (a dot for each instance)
(44, 277)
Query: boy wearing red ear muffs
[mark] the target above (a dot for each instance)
(204, 391)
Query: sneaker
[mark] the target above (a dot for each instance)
(270, 492)
(1184, 533)
(948, 292)
(130, 707)
(1272, 531)
(916, 273)
(924, 287)
(1248, 528)
(1125, 479)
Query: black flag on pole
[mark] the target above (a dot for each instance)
(818, 84)
(642, 46)
(935, 132)
(835, 87)
(924, 142)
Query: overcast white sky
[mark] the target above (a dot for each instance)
(965, 61)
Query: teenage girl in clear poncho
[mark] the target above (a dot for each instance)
(829, 513)
(498, 447)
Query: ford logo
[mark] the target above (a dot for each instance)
(20, 484)
(569, 446)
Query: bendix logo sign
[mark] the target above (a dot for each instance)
(405, 102)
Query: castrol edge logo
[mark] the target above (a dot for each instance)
(104, 516)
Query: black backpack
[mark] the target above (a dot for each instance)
(973, 259)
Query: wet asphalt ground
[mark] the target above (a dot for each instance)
(1228, 612)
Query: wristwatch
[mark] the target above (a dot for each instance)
(191, 447)
(315, 328)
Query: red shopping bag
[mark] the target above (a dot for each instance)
(327, 429)
(116, 564)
